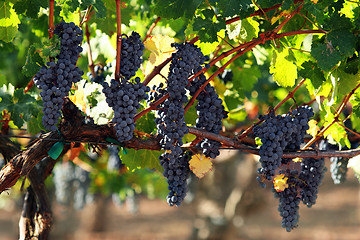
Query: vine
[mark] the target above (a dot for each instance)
(266, 46)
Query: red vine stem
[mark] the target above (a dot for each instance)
(259, 40)
(91, 62)
(153, 25)
(336, 118)
(29, 85)
(259, 12)
(290, 95)
(51, 19)
(118, 45)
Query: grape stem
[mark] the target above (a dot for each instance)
(118, 44)
(51, 19)
(153, 25)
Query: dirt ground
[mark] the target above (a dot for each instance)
(336, 215)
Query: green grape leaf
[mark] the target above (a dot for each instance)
(284, 70)
(68, 10)
(232, 98)
(108, 24)
(30, 8)
(335, 133)
(230, 8)
(146, 123)
(50, 48)
(326, 56)
(176, 8)
(3, 80)
(34, 126)
(208, 29)
(312, 72)
(244, 30)
(32, 63)
(337, 22)
(9, 22)
(343, 40)
(142, 158)
(345, 80)
(191, 116)
(246, 78)
(22, 106)
(71, 5)
(355, 101)
(6, 100)
(98, 5)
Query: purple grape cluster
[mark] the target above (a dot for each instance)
(124, 97)
(114, 161)
(211, 112)
(131, 55)
(338, 166)
(55, 79)
(186, 61)
(71, 182)
(279, 133)
(311, 175)
(176, 170)
(289, 202)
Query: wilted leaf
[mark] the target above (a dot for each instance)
(200, 165)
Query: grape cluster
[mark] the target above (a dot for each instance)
(211, 113)
(99, 73)
(171, 122)
(338, 169)
(176, 170)
(289, 202)
(131, 55)
(338, 166)
(63, 181)
(124, 97)
(55, 79)
(81, 184)
(311, 175)
(114, 161)
(279, 133)
(71, 182)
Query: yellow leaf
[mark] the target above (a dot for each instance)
(160, 47)
(313, 128)
(314, 1)
(280, 182)
(283, 13)
(78, 99)
(200, 165)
